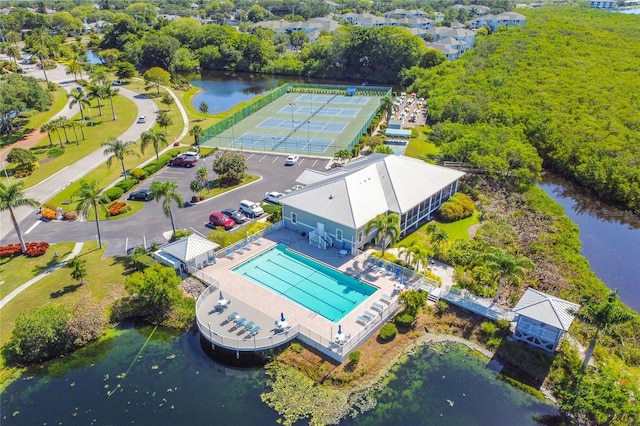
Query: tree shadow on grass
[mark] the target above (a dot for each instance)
(41, 269)
(66, 290)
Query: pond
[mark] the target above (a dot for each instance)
(610, 237)
(169, 379)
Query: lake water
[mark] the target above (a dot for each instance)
(170, 380)
(223, 91)
(610, 237)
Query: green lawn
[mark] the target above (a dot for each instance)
(18, 270)
(104, 127)
(420, 147)
(104, 282)
(457, 230)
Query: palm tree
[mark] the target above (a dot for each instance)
(109, 92)
(386, 226)
(40, 45)
(202, 176)
(75, 68)
(95, 92)
(118, 149)
(11, 196)
(603, 317)
(57, 125)
(167, 190)
(197, 132)
(416, 254)
(89, 196)
(438, 237)
(507, 268)
(14, 52)
(48, 128)
(63, 123)
(78, 97)
(156, 138)
(385, 105)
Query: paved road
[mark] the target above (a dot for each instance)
(60, 180)
(150, 224)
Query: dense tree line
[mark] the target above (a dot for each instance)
(567, 84)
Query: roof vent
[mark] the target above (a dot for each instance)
(331, 197)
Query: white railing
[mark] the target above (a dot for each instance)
(317, 340)
(250, 238)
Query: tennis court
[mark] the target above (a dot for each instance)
(315, 125)
(262, 142)
(300, 123)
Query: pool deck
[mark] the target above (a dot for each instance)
(263, 306)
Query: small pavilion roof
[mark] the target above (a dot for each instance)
(189, 248)
(546, 308)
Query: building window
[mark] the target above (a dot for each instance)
(294, 218)
(339, 234)
(360, 235)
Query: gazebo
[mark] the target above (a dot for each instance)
(189, 253)
(542, 319)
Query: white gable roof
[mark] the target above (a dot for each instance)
(548, 309)
(367, 187)
(189, 248)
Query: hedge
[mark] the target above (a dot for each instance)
(113, 193)
(126, 184)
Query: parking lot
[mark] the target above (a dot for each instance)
(150, 224)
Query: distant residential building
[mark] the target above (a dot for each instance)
(401, 13)
(506, 19)
(477, 9)
(311, 28)
(463, 35)
(413, 19)
(604, 4)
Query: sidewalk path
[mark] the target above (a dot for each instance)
(76, 250)
(63, 178)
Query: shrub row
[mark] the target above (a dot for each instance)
(33, 250)
(126, 184)
(114, 193)
(156, 165)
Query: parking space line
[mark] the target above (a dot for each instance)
(263, 157)
(314, 163)
(275, 159)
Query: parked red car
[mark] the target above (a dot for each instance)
(187, 159)
(220, 219)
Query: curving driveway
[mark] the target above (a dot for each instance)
(60, 180)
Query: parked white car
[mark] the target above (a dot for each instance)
(273, 197)
(291, 160)
(250, 208)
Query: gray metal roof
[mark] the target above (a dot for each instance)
(189, 248)
(546, 308)
(364, 188)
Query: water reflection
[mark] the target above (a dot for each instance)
(586, 204)
(610, 237)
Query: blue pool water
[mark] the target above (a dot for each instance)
(317, 287)
(398, 147)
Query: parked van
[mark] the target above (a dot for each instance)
(250, 208)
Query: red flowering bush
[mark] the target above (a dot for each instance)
(36, 249)
(10, 250)
(118, 207)
(33, 250)
(48, 214)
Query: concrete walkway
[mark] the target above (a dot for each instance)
(66, 176)
(76, 250)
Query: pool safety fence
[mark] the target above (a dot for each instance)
(322, 341)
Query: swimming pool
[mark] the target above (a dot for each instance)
(317, 287)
